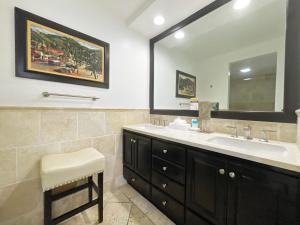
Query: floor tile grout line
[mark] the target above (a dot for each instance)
(145, 214)
(129, 213)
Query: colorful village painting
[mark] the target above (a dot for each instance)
(59, 54)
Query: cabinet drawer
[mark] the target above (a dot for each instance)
(137, 182)
(169, 206)
(169, 152)
(193, 219)
(169, 169)
(170, 187)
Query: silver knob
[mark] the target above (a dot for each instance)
(164, 186)
(164, 203)
(232, 175)
(221, 171)
(165, 151)
(164, 168)
(133, 179)
(133, 141)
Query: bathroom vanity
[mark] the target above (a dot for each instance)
(212, 179)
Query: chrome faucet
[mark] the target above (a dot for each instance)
(152, 121)
(236, 131)
(164, 122)
(265, 134)
(247, 132)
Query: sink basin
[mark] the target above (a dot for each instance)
(248, 145)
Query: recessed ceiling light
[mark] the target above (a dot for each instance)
(159, 20)
(240, 4)
(248, 79)
(179, 34)
(245, 70)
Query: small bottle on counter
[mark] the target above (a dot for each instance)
(195, 123)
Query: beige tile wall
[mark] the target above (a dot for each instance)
(286, 132)
(26, 134)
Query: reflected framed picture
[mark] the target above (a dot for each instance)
(49, 51)
(185, 85)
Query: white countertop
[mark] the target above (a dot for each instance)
(290, 160)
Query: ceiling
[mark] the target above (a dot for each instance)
(139, 14)
(260, 65)
(226, 29)
(214, 34)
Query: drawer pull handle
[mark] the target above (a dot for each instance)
(222, 171)
(164, 186)
(232, 175)
(164, 168)
(165, 151)
(164, 203)
(133, 179)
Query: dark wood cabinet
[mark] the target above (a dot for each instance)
(143, 156)
(257, 196)
(169, 206)
(206, 186)
(137, 154)
(198, 187)
(193, 219)
(172, 171)
(223, 191)
(168, 151)
(168, 186)
(137, 182)
(128, 150)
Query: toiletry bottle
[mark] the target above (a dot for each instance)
(195, 123)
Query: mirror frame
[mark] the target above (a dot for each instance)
(292, 70)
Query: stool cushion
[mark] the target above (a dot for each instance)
(64, 168)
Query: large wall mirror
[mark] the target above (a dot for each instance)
(242, 59)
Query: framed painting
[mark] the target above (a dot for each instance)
(185, 85)
(49, 51)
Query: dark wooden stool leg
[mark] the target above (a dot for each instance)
(47, 208)
(100, 197)
(90, 181)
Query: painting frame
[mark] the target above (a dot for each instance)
(21, 53)
(181, 95)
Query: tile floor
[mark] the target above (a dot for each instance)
(125, 206)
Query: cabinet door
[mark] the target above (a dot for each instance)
(206, 186)
(142, 147)
(128, 150)
(259, 196)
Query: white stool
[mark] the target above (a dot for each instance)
(60, 169)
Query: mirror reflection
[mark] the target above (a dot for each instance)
(233, 57)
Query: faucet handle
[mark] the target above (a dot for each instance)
(248, 127)
(247, 131)
(265, 132)
(164, 123)
(152, 121)
(236, 132)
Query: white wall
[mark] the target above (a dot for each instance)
(129, 59)
(214, 71)
(167, 61)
